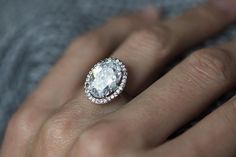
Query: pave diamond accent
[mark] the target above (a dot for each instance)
(106, 80)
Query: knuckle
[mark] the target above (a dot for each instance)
(102, 140)
(55, 131)
(21, 124)
(212, 64)
(25, 121)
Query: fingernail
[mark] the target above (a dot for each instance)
(228, 6)
(150, 13)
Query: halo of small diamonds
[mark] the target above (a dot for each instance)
(110, 76)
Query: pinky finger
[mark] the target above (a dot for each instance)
(213, 136)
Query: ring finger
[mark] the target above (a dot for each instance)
(213, 136)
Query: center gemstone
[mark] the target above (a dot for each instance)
(105, 78)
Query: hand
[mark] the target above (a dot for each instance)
(57, 120)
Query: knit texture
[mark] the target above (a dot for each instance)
(35, 33)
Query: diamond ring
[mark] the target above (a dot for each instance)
(105, 81)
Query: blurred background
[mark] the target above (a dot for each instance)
(34, 34)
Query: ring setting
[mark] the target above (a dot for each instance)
(105, 81)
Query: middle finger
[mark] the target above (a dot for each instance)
(146, 51)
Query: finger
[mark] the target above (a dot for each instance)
(154, 115)
(214, 136)
(66, 78)
(147, 50)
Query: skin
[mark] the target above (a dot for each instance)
(58, 120)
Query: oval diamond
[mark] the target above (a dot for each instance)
(104, 79)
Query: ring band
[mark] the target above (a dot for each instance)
(105, 81)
